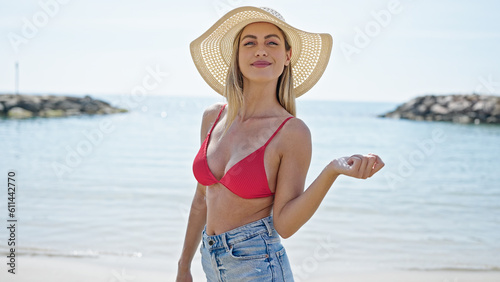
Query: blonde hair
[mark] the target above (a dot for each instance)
(233, 91)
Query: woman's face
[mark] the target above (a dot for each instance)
(262, 54)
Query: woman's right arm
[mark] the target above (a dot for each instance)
(198, 213)
(196, 223)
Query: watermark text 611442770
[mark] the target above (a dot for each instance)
(11, 221)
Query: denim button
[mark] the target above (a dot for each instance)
(211, 242)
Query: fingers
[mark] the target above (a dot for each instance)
(358, 166)
(379, 164)
(368, 172)
(365, 166)
(362, 167)
(355, 162)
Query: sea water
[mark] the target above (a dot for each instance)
(120, 186)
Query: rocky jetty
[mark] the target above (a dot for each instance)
(455, 108)
(26, 106)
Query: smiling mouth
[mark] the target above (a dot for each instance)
(261, 64)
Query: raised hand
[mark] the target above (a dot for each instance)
(358, 166)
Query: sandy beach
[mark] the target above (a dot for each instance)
(413, 276)
(42, 269)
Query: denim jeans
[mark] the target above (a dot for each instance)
(252, 252)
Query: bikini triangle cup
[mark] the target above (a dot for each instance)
(247, 178)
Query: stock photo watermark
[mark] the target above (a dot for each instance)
(48, 9)
(12, 220)
(410, 162)
(84, 147)
(223, 6)
(487, 83)
(325, 250)
(121, 276)
(364, 36)
(75, 155)
(154, 77)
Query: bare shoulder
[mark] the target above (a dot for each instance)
(213, 109)
(209, 116)
(296, 134)
(296, 127)
(211, 112)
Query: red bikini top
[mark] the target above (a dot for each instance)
(247, 178)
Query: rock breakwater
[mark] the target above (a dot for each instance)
(454, 108)
(26, 106)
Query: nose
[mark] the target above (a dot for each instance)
(261, 53)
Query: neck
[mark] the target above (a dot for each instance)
(259, 99)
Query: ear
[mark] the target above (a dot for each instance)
(288, 57)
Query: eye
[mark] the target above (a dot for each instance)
(248, 43)
(273, 43)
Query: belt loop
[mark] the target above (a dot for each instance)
(224, 242)
(203, 234)
(269, 229)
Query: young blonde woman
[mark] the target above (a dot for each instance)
(255, 154)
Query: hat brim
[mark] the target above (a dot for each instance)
(212, 51)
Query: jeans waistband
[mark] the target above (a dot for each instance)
(224, 240)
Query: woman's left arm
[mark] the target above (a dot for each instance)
(293, 206)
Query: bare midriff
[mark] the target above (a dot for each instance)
(227, 211)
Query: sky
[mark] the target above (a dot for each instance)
(387, 51)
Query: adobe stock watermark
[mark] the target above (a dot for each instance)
(223, 6)
(488, 84)
(75, 155)
(322, 252)
(154, 77)
(30, 28)
(121, 276)
(373, 28)
(415, 158)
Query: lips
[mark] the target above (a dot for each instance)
(261, 64)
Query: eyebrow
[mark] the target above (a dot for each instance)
(265, 37)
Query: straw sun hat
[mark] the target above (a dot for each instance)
(212, 51)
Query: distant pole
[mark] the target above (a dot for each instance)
(17, 77)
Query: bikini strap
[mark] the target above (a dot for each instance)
(279, 128)
(213, 125)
